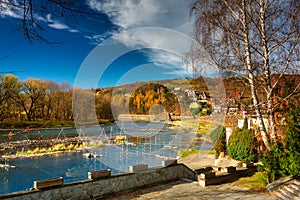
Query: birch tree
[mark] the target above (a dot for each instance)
(254, 39)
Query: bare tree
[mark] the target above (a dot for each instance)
(254, 39)
(33, 14)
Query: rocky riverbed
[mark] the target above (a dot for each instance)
(8, 148)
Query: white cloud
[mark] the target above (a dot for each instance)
(14, 9)
(167, 46)
(141, 13)
(58, 25)
(73, 31)
(10, 9)
(130, 14)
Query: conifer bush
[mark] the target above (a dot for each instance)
(243, 145)
(218, 138)
(218, 133)
(284, 157)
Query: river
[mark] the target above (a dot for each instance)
(159, 141)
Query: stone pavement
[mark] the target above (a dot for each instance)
(192, 191)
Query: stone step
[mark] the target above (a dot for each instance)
(287, 193)
(290, 189)
(295, 187)
(280, 195)
(297, 182)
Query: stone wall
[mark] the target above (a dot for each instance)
(91, 189)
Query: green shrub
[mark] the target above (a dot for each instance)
(218, 133)
(218, 138)
(219, 146)
(292, 141)
(243, 145)
(275, 162)
(284, 158)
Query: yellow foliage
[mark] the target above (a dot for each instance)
(71, 146)
(59, 147)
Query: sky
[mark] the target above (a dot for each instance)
(113, 49)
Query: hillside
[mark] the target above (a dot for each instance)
(176, 95)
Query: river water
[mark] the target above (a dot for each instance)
(159, 141)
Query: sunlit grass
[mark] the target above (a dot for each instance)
(55, 148)
(256, 182)
(184, 153)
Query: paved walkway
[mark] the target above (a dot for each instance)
(192, 191)
(196, 161)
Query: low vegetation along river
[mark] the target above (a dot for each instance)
(120, 147)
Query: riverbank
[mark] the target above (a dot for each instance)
(22, 125)
(21, 147)
(36, 124)
(16, 156)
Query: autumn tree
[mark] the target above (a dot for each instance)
(253, 39)
(33, 93)
(50, 99)
(37, 99)
(66, 92)
(9, 88)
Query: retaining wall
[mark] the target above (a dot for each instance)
(93, 189)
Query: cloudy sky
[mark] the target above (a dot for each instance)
(135, 53)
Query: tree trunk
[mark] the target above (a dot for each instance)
(251, 78)
(266, 63)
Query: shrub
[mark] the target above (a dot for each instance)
(275, 162)
(284, 158)
(292, 141)
(243, 145)
(219, 146)
(218, 138)
(218, 133)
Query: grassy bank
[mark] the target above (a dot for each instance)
(184, 153)
(43, 124)
(256, 182)
(36, 124)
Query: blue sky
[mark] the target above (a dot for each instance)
(77, 38)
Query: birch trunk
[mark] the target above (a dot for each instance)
(266, 67)
(251, 77)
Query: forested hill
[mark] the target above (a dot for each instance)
(177, 95)
(47, 102)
